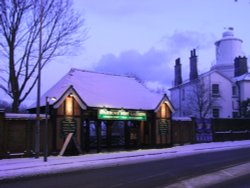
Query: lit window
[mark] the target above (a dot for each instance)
(69, 106)
(163, 110)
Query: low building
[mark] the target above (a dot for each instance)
(106, 111)
(219, 92)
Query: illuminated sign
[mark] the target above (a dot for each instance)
(121, 115)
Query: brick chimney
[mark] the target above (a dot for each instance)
(177, 69)
(240, 66)
(193, 66)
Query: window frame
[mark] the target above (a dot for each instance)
(217, 113)
(215, 90)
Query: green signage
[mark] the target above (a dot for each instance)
(68, 125)
(163, 126)
(105, 114)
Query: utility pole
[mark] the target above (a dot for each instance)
(38, 119)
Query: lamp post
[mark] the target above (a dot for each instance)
(46, 130)
(45, 159)
(38, 118)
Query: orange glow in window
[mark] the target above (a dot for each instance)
(69, 106)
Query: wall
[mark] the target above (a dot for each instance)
(163, 117)
(175, 96)
(245, 91)
(64, 111)
(224, 101)
(182, 95)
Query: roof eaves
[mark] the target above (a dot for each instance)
(68, 91)
(167, 101)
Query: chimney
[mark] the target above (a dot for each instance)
(240, 66)
(177, 69)
(193, 66)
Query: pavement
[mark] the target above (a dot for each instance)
(29, 167)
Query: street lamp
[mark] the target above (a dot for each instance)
(46, 128)
(38, 118)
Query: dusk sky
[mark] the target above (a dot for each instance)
(144, 37)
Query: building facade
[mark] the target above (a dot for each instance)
(104, 111)
(219, 92)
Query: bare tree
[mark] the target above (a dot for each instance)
(200, 101)
(19, 41)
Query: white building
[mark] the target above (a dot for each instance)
(218, 92)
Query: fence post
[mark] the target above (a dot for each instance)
(2, 117)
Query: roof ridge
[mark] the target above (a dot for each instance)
(96, 72)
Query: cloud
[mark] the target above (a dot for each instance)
(150, 66)
(157, 64)
(187, 40)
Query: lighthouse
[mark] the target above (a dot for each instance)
(227, 48)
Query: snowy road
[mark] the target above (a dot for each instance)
(159, 173)
(96, 163)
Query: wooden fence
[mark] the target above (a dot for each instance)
(187, 130)
(183, 131)
(17, 134)
(230, 129)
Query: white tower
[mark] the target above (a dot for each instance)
(227, 49)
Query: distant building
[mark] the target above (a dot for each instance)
(218, 92)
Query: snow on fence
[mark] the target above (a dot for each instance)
(23, 116)
(231, 129)
(17, 134)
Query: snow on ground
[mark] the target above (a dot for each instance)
(24, 167)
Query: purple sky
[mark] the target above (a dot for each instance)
(144, 37)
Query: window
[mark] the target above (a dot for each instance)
(215, 90)
(235, 105)
(235, 114)
(234, 91)
(216, 113)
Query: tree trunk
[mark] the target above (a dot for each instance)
(15, 105)
(13, 77)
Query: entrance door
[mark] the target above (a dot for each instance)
(117, 133)
(133, 134)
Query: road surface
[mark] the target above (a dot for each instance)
(149, 174)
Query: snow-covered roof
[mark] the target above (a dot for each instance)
(100, 90)
(188, 81)
(244, 77)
